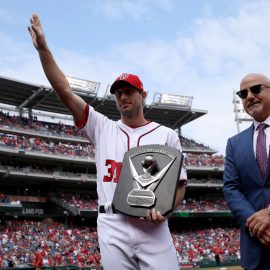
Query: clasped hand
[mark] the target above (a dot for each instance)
(259, 226)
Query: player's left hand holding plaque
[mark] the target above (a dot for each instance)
(148, 179)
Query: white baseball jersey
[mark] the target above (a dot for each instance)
(112, 139)
(127, 242)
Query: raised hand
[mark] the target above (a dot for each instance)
(37, 33)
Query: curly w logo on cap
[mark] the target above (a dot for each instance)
(127, 79)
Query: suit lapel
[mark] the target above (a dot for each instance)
(268, 166)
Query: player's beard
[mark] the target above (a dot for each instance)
(131, 111)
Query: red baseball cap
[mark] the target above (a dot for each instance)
(127, 79)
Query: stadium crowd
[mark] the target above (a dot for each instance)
(203, 160)
(56, 171)
(203, 205)
(52, 147)
(35, 243)
(60, 129)
(87, 202)
(191, 144)
(7, 200)
(189, 205)
(79, 201)
(50, 243)
(24, 124)
(195, 246)
(44, 145)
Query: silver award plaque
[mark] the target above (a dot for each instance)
(148, 178)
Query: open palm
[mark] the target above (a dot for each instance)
(36, 33)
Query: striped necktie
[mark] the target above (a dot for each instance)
(261, 152)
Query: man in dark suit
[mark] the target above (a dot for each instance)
(247, 174)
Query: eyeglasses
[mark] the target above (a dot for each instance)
(255, 90)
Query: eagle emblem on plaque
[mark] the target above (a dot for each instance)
(148, 178)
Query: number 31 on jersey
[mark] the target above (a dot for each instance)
(113, 171)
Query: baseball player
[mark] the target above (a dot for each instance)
(125, 242)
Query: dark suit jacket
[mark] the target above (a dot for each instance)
(245, 191)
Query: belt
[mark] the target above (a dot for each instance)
(102, 210)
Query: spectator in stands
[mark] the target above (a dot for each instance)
(246, 178)
(217, 259)
(38, 260)
(130, 97)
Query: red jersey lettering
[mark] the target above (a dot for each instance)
(113, 171)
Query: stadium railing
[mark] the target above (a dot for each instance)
(210, 263)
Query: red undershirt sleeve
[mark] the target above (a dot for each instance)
(82, 122)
